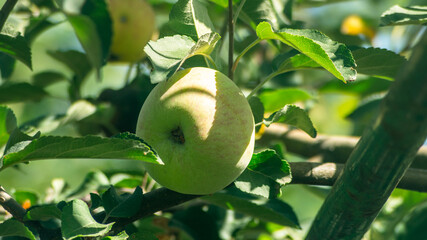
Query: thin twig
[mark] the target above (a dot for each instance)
(5, 11)
(230, 39)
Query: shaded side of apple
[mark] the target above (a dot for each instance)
(133, 27)
(202, 127)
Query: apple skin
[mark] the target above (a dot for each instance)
(133, 26)
(202, 127)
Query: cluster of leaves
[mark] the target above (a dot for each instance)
(190, 38)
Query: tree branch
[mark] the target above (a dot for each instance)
(325, 174)
(11, 205)
(380, 158)
(335, 149)
(5, 11)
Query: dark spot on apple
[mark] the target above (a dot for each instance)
(123, 19)
(178, 136)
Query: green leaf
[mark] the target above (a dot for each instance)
(46, 78)
(294, 116)
(92, 182)
(95, 201)
(205, 227)
(270, 210)
(257, 110)
(14, 228)
(78, 222)
(398, 15)
(16, 47)
(191, 18)
(37, 25)
(166, 53)
(86, 32)
(297, 62)
(121, 236)
(20, 92)
(22, 196)
(378, 62)
(7, 64)
(266, 173)
(125, 205)
(277, 99)
(76, 61)
(7, 124)
(54, 147)
(271, 165)
(333, 56)
(363, 87)
(17, 141)
(43, 213)
(257, 11)
(97, 11)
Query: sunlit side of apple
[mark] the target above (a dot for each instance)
(133, 26)
(202, 127)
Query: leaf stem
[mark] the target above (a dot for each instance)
(5, 11)
(258, 87)
(230, 39)
(244, 52)
(209, 58)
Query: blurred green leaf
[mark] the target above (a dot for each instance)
(125, 181)
(191, 18)
(378, 62)
(363, 87)
(125, 205)
(97, 11)
(166, 53)
(46, 78)
(78, 222)
(257, 108)
(272, 210)
(277, 99)
(76, 61)
(294, 116)
(14, 228)
(398, 15)
(53, 147)
(92, 182)
(413, 225)
(87, 34)
(7, 124)
(7, 64)
(257, 11)
(121, 236)
(20, 92)
(43, 213)
(16, 47)
(22, 196)
(37, 25)
(204, 228)
(333, 56)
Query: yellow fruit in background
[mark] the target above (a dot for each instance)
(202, 127)
(355, 25)
(133, 26)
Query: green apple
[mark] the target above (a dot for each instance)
(202, 127)
(133, 26)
